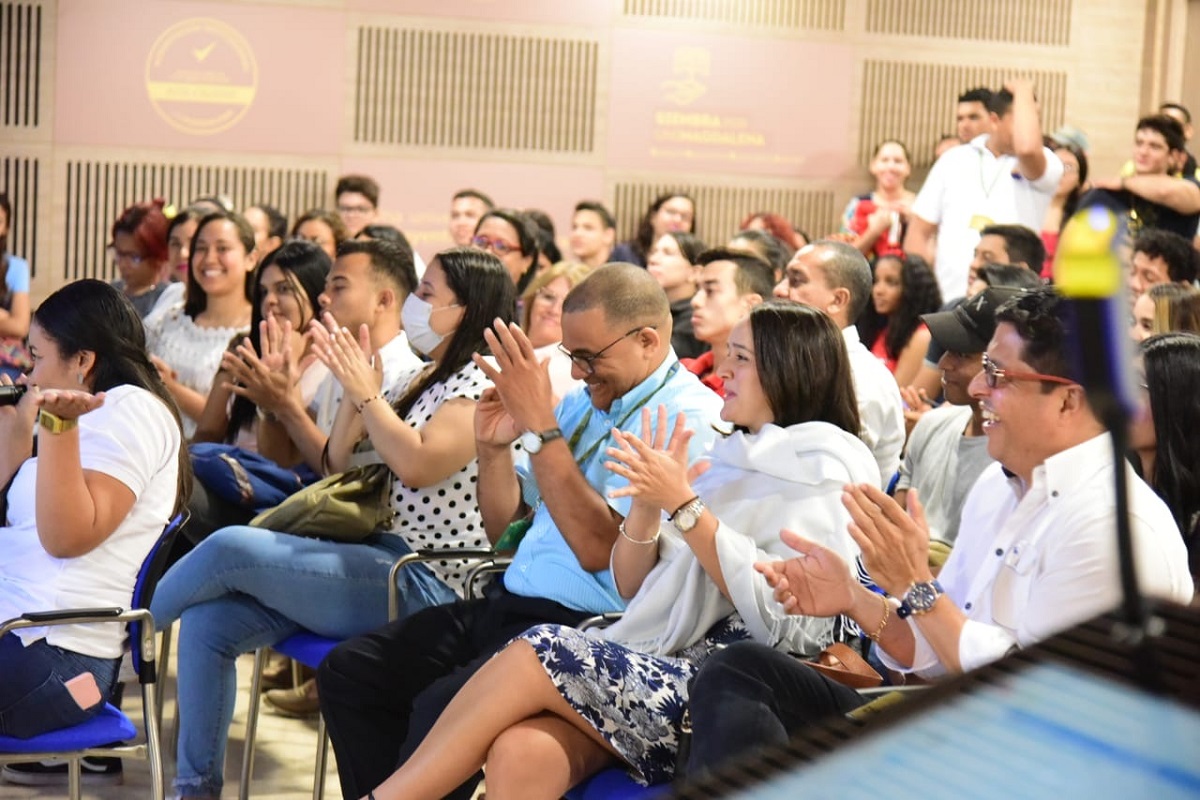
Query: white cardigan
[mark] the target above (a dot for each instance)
(779, 478)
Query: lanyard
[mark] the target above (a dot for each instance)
(577, 434)
(987, 190)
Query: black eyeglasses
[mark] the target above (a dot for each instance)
(992, 375)
(587, 363)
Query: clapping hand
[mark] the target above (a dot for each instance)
(522, 381)
(655, 467)
(817, 583)
(268, 379)
(894, 544)
(360, 374)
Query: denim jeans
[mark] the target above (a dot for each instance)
(243, 588)
(33, 699)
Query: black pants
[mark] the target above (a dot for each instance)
(381, 693)
(748, 697)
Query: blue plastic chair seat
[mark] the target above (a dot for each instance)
(306, 647)
(615, 784)
(107, 727)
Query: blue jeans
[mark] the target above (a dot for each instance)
(243, 588)
(33, 699)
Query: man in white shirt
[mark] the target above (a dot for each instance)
(1006, 176)
(835, 277)
(1036, 552)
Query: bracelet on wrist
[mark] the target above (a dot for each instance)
(359, 408)
(887, 613)
(651, 540)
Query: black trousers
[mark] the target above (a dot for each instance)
(381, 693)
(748, 697)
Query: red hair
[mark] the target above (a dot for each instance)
(775, 225)
(147, 224)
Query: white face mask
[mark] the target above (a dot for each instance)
(415, 316)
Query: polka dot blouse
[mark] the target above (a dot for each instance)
(445, 514)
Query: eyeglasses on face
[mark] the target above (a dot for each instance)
(587, 361)
(363, 209)
(497, 246)
(993, 375)
(129, 258)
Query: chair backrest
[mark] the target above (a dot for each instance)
(153, 567)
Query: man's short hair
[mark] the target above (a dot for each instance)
(1000, 102)
(847, 268)
(277, 223)
(361, 184)
(475, 194)
(1172, 248)
(1024, 245)
(598, 208)
(979, 94)
(752, 276)
(389, 261)
(1040, 319)
(1187, 115)
(1169, 127)
(629, 296)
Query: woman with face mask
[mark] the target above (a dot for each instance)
(244, 587)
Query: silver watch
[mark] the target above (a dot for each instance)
(687, 515)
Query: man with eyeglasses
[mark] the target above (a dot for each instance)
(381, 693)
(1036, 552)
(357, 202)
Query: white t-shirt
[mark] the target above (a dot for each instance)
(133, 438)
(969, 188)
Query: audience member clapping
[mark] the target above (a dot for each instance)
(878, 220)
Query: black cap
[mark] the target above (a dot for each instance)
(969, 328)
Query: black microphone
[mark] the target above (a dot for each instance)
(11, 395)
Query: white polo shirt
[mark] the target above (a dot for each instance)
(969, 188)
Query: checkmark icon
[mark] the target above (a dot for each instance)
(201, 53)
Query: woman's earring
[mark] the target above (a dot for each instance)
(79, 378)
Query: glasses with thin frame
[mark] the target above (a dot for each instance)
(133, 259)
(497, 246)
(587, 362)
(993, 375)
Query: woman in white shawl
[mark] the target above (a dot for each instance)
(558, 705)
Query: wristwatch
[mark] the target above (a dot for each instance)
(54, 423)
(919, 599)
(534, 442)
(687, 515)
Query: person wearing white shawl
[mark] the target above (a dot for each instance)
(558, 705)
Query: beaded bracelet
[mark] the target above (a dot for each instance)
(359, 408)
(651, 540)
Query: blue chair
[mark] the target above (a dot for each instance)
(110, 725)
(615, 784)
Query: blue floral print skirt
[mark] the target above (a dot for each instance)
(635, 700)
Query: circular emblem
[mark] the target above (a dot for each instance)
(201, 76)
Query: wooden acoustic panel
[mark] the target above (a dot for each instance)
(793, 15)
(915, 102)
(20, 64)
(461, 89)
(97, 192)
(20, 180)
(1042, 22)
(721, 209)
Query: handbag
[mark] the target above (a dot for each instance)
(245, 478)
(346, 507)
(841, 663)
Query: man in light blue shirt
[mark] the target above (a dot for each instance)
(381, 693)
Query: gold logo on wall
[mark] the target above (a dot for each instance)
(690, 63)
(201, 76)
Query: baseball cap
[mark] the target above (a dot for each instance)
(969, 328)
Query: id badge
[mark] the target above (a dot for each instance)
(979, 222)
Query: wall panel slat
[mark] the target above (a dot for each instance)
(778, 14)
(1043, 22)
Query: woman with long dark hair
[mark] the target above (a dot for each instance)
(245, 587)
(1163, 432)
(1065, 201)
(557, 704)
(904, 289)
(672, 262)
(110, 471)
(670, 212)
(187, 341)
